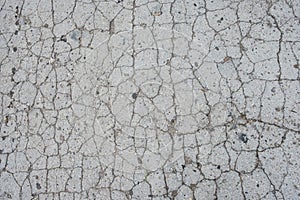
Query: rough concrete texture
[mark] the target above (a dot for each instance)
(150, 99)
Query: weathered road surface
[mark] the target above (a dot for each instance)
(140, 99)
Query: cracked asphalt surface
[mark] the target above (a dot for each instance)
(150, 99)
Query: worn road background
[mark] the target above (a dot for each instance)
(141, 99)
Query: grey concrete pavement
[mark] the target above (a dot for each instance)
(141, 99)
